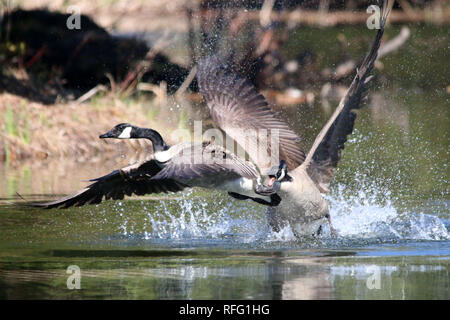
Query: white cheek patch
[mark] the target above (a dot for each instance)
(283, 173)
(126, 133)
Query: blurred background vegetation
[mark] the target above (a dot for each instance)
(132, 61)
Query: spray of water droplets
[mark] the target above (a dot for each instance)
(361, 216)
(219, 219)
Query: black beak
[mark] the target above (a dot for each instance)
(106, 135)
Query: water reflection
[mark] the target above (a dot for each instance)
(235, 276)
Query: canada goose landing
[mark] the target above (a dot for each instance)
(173, 168)
(235, 104)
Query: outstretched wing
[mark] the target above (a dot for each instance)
(325, 153)
(243, 113)
(206, 165)
(115, 185)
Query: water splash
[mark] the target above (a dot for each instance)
(362, 216)
(219, 219)
(204, 218)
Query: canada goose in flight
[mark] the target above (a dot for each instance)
(173, 168)
(235, 104)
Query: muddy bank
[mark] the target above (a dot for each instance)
(34, 130)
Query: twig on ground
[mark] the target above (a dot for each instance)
(190, 77)
(394, 43)
(91, 93)
(266, 11)
(133, 78)
(346, 68)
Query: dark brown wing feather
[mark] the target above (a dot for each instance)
(325, 154)
(216, 167)
(238, 108)
(134, 179)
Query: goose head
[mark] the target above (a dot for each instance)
(128, 131)
(121, 131)
(278, 173)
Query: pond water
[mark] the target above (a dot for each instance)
(389, 203)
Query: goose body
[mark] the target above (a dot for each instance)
(303, 205)
(210, 166)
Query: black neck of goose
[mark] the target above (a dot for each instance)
(158, 142)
